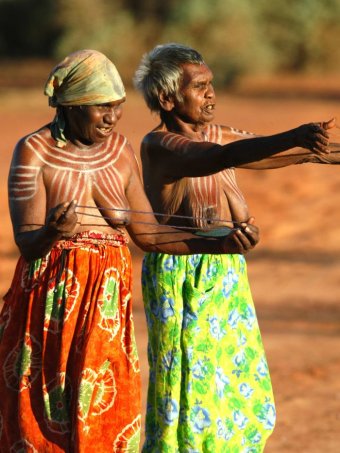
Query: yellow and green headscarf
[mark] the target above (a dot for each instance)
(85, 77)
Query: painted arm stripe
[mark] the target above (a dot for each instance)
(174, 141)
(23, 182)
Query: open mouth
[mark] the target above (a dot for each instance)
(209, 108)
(105, 131)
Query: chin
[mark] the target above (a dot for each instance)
(207, 119)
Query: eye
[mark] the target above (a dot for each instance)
(103, 107)
(200, 85)
(108, 107)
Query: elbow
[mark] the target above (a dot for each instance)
(146, 245)
(29, 253)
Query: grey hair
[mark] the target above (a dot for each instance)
(160, 70)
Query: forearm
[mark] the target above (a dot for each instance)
(204, 158)
(242, 152)
(177, 242)
(296, 156)
(333, 157)
(37, 243)
(164, 239)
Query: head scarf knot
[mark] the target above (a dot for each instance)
(85, 77)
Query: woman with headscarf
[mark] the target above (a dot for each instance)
(69, 372)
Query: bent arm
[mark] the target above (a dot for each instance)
(150, 236)
(35, 244)
(33, 233)
(59, 224)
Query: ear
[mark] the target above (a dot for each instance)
(166, 102)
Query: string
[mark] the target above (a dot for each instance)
(181, 227)
(161, 214)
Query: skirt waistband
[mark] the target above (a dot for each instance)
(92, 238)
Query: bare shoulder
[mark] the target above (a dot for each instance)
(24, 149)
(165, 141)
(122, 144)
(126, 153)
(223, 134)
(155, 137)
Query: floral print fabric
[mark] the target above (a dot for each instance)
(69, 371)
(209, 385)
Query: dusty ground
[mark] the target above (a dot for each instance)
(294, 272)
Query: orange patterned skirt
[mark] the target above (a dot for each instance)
(69, 371)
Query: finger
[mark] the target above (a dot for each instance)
(319, 149)
(317, 146)
(249, 228)
(243, 240)
(68, 214)
(252, 236)
(249, 221)
(71, 207)
(320, 152)
(322, 133)
(329, 124)
(58, 210)
(315, 126)
(251, 232)
(237, 245)
(320, 140)
(318, 133)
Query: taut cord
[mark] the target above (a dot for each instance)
(160, 214)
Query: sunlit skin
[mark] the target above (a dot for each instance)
(52, 189)
(197, 103)
(185, 173)
(86, 170)
(92, 124)
(189, 175)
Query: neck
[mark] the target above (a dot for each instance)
(172, 123)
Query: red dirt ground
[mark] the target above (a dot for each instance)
(294, 271)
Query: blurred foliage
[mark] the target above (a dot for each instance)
(28, 28)
(236, 37)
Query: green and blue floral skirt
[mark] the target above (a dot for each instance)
(209, 384)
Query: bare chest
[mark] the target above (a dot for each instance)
(215, 199)
(91, 176)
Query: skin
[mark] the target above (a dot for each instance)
(179, 158)
(49, 188)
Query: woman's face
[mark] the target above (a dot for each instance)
(198, 97)
(92, 124)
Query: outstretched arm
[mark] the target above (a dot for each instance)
(295, 155)
(175, 156)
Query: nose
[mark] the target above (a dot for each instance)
(110, 116)
(210, 93)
